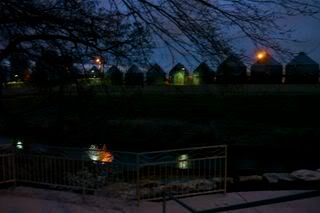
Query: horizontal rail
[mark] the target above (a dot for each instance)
(177, 161)
(7, 155)
(8, 181)
(55, 185)
(189, 194)
(185, 149)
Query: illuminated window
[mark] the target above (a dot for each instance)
(100, 155)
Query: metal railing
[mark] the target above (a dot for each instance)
(182, 172)
(7, 165)
(146, 175)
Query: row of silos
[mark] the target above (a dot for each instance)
(155, 75)
(302, 69)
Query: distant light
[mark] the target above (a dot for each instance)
(183, 162)
(100, 155)
(92, 71)
(93, 153)
(98, 60)
(16, 76)
(19, 145)
(261, 55)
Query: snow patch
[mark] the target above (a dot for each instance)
(306, 175)
(276, 177)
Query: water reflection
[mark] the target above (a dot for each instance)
(100, 154)
(183, 162)
(19, 144)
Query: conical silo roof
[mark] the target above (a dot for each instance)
(114, 69)
(178, 67)
(155, 68)
(232, 61)
(134, 69)
(203, 67)
(302, 59)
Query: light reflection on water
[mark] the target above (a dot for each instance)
(19, 145)
(100, 155)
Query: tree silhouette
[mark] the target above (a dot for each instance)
(123, 28)
(74, 27)
(53, 70)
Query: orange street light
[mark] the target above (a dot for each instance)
(98, 60)
(261, 55)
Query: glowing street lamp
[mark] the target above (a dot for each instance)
(100, 62)
(261, 55)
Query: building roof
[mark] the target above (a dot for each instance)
(232, 61)
(134, 69)
(155, 68)
(203, 67)
(302, 59)
(114, 69)
(178, 67)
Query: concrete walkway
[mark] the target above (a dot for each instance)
(24, 200)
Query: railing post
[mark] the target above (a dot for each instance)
(138, 178)
(83, 177)
(225, 169)
(14, 167)
(164, 203)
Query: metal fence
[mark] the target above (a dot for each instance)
(127, 175)
(182, 172)
(7, 165)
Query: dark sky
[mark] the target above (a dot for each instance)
(306, 30)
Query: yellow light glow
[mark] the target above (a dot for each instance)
(93, 153)
(183, 162)
(261, 55)
(105, 155)
(100, 155)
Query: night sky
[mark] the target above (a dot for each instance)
(306, 30)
